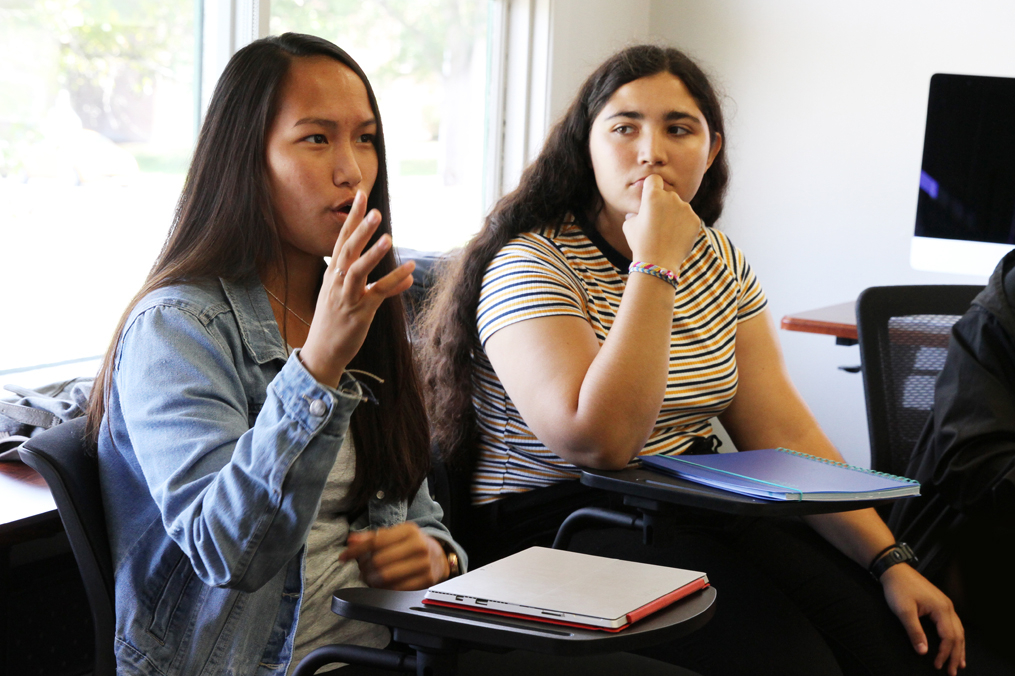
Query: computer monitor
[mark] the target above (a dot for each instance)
(965, 214)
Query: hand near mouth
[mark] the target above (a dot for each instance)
(347, 303)
(664, 229)
(345, 207)
(669, 187)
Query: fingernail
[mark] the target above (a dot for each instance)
(384, 243)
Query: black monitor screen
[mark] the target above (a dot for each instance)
(967, 182)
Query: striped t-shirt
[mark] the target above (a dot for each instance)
(539, 274)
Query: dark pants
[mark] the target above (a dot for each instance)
(788, 602)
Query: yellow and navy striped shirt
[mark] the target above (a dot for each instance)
(539, 274)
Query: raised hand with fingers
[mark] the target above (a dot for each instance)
(347, 303)
(664, 229)
(402, 557)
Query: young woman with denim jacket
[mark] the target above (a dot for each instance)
(231, 399)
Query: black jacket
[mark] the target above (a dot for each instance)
(965, 458)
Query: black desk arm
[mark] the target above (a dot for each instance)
(355, 654)
(595, 517)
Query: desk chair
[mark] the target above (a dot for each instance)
(423, 278)
(904, 333)
(58, 454)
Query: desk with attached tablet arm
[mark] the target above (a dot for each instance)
(438, 635)
(654, 496)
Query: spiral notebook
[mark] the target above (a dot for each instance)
(569, 588)
(782, 474)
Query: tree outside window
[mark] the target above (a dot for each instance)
(96, 131)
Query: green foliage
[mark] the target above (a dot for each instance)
(108, 54)
(101, 38)
(162, 162)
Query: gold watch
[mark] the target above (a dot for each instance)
(453, 567)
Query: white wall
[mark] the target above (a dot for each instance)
(552, 46)
(826, 109)
(583, 34)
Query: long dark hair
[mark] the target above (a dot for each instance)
(559, 184)
(225, 227)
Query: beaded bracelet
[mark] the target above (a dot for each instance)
(667, 276)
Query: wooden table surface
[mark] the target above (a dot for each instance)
(25, 499)
(834, 320)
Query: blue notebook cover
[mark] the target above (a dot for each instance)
(782, 474)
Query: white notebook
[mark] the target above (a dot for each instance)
(562, 587)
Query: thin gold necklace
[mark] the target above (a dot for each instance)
(287, 308)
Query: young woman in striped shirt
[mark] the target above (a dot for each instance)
(599, 316)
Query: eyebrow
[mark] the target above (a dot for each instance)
(669, 117)
(331, 124)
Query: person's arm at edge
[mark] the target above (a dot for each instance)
(768, 412)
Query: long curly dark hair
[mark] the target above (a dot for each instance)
(225, 227)
(560, 183)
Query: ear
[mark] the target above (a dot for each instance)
(714, 149)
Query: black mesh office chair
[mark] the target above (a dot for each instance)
(903, 333)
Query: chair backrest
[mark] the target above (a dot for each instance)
(423, 278)
(450, 487)
(903, 333)
(59, 455)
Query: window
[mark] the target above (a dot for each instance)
(97, 124)
(101, 108)
(427, 61)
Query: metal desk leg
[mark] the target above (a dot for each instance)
(435, 655)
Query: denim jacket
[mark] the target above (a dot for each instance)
(213, 455)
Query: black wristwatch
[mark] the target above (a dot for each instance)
(900, 552)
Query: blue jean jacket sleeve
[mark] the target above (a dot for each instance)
(237, 495)
(427, 514)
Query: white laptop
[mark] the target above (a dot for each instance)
(563, 587)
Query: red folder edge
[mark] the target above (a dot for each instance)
(664, 601)
(632, 617)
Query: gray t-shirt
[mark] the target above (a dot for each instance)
(323, 573)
